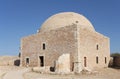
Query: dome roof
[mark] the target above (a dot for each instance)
(65, 19)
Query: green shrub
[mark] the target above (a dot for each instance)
(115, 54)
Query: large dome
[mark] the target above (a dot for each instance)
(64, 19)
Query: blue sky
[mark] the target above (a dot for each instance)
(19, 18)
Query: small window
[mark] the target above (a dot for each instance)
(43, 46)
(85, 62)
(97, 47)
(97, 60)
(105, 60)
(27, 60)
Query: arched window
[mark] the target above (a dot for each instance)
(97, 47)
(105, 60)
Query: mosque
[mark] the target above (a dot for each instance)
(67, 42)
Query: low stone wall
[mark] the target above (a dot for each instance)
(9, 61)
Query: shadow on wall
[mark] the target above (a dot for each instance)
(17, 62)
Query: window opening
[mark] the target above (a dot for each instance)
(97, 47)
(43, 46)
(85, 62)
(27, 60)
(105, 60)
(97, 60)
(41, 61)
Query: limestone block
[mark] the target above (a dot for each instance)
(38, 69)
(63, 64)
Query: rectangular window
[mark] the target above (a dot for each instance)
(105, 60)
(97, 60)
(27, 60)
(43, 46)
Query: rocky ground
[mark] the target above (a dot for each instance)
(107, 73)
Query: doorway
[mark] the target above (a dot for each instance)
(85, 62)
(41, 58)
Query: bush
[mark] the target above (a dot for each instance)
(115, 54)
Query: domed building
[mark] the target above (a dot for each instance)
(66, 42)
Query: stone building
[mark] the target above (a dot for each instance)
(67, 42)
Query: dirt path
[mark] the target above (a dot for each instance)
(12, 72)
(15, 74)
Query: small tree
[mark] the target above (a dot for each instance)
(115, 54)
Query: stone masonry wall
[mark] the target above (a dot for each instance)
(57, 42)
(66, 40)
(88, 48)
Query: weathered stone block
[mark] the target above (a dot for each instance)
(63, 64)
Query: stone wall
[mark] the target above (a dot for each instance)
(63, 64)
(9, 61)
(57, 42)
(80, 43)
(92, 45)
